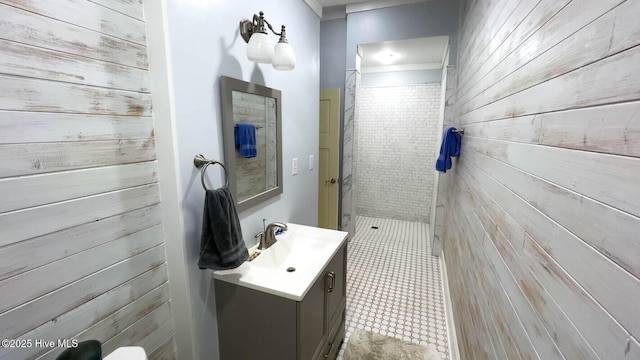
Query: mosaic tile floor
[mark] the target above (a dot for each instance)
(394, 285)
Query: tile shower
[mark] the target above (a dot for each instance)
(394, 285)
(396, 137)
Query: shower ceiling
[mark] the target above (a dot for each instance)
(377, 3)
(400, 55)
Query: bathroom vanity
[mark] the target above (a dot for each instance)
(287, 303)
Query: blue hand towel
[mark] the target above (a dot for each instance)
(245, 139)
(450, 148)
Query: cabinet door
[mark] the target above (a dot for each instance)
(335, 285)
(312, 333)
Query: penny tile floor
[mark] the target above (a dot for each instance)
(394, 285)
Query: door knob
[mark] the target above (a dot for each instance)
(332, 181)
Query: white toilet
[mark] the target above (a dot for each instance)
(127, 353)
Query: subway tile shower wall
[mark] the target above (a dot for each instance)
(397, 135)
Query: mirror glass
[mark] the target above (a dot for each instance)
(252, 118)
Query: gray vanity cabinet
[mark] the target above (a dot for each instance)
(256, 325)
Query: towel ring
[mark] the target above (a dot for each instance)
(201, 163)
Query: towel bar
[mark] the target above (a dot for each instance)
(461, 131)
(257, 127)
(201, 163)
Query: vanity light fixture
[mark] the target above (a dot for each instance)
(259, 48)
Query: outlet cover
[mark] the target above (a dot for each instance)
(310, 162)
(294, 166)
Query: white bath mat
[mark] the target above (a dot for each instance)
(365, 345)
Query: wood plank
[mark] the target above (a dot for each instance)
(166, 351)
(609, 34)
(542, 341)
(480, 20)
(18, 258)
(133, 8)
(495, 221)
(159, 336)
(33, 127)
(566, 27)
(609, 179)
(24, 94)
(471, 331)
(510, 334)
(596, 273)
(18, 225)
(105, 320)
(511, 331)
(612, 129)
(127, 315)
(545, 12)
(608, 81)
(607, 338)
(87, 15)
(19, 59)
(36, 30)
(158, 333)
(568, 339)
(146, 266)
(520, 129)
(38, 158)
(610, 231)
(75, 267)
(107, 309)
(564, 333)
(490, 29)
(30, 191)
(142, 329)
(523, 22)
(477, 276)
(541, 335)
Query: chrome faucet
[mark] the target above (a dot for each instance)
(268, 237)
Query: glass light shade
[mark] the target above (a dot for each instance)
(283, 57)
(260, 48)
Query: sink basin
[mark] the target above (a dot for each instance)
(292, 252)
(290, 266)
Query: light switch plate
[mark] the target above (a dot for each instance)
(310, 162)
(294, 166)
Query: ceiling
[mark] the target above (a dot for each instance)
(374, 3)
(400, 55)
(328, 3)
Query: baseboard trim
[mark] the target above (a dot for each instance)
(454, 353)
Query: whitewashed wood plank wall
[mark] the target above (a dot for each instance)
(81, 244)
(542, 228)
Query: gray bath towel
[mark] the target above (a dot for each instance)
(221, 245)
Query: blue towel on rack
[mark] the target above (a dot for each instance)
(245, 139)
(450, 148)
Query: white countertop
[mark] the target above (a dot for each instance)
(307, 249)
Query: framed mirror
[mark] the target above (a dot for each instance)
(252, 132)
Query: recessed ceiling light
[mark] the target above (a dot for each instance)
(387, 57)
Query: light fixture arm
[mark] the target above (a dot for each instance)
(247, 28)
(282, 33)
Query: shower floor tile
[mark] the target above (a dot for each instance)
(394, 285)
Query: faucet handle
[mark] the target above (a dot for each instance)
(261, 240)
